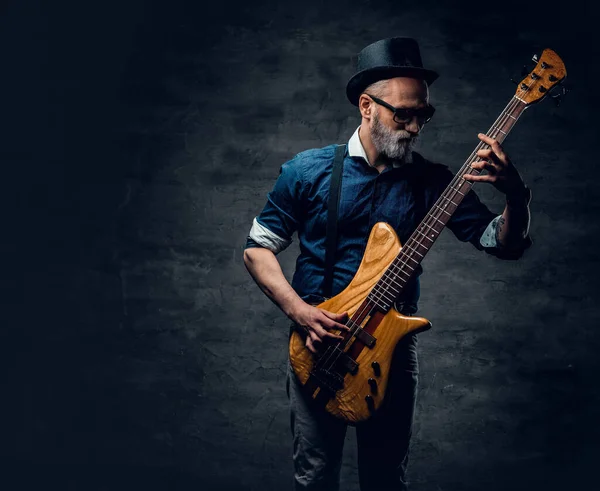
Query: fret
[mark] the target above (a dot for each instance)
(406, 265)
(431, 227)
(413, 260)
(386, 277)
(438, 220)
(511, 116)
(400, 270)
(444, 211)
(399, 278)
(392, 288)
(381, 306)
(382, 294)
(503, 132)
(406, 274)
(426, 236)
(382, 282)
(380, 290)
(419, 246)
(445, 197)
(411, 248)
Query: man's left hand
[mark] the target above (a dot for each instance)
(502, 174)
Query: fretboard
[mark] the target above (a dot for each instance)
(400, 271)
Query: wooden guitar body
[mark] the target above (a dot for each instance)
(349, 403)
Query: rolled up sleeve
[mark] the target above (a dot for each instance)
(489, 240)
(474, 222)
(274, 226)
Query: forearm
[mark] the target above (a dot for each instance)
(513, 227)
(264, 268)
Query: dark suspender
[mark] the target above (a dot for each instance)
(335, 187)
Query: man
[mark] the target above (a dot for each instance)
(383, 180)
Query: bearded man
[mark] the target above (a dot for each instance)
(383, 180)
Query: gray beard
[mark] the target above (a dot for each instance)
(395, 145)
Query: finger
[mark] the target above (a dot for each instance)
(487, 139)
(341, 317)
(480, 178)
(323, 333)
(331, 324)
(485, 165)
(486, 154)
(334, 321)
(332, 336)
(310, 346)
(498, 150)
(315, 337)
(491, 157)
(494, 144)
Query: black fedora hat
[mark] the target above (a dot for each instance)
(387, 58)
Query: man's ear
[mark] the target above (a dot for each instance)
(365, 106)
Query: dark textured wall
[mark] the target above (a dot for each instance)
(139, 139)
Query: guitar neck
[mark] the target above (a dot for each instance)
(400, 271)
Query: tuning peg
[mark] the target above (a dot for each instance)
(525, 70)
(535, 58)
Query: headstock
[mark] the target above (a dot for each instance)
(548, 72)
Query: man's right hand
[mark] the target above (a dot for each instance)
(266, 271)
(318, 323)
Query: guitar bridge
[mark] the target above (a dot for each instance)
(331, 379)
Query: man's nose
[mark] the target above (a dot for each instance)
(413, 126)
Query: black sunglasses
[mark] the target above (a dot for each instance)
(403, 116)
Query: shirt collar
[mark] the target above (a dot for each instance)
(356, 149)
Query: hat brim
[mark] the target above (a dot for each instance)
(359, 82)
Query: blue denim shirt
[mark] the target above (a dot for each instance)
(400, 196)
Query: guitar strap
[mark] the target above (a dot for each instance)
(335, 187)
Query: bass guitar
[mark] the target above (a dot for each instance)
(349, 377)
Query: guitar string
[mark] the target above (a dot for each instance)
(350, 337)
(414, 244)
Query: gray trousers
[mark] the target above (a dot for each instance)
(383, 441)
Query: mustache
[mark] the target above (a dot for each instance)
(405, 135)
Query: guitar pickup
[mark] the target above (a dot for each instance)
(365, 338)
